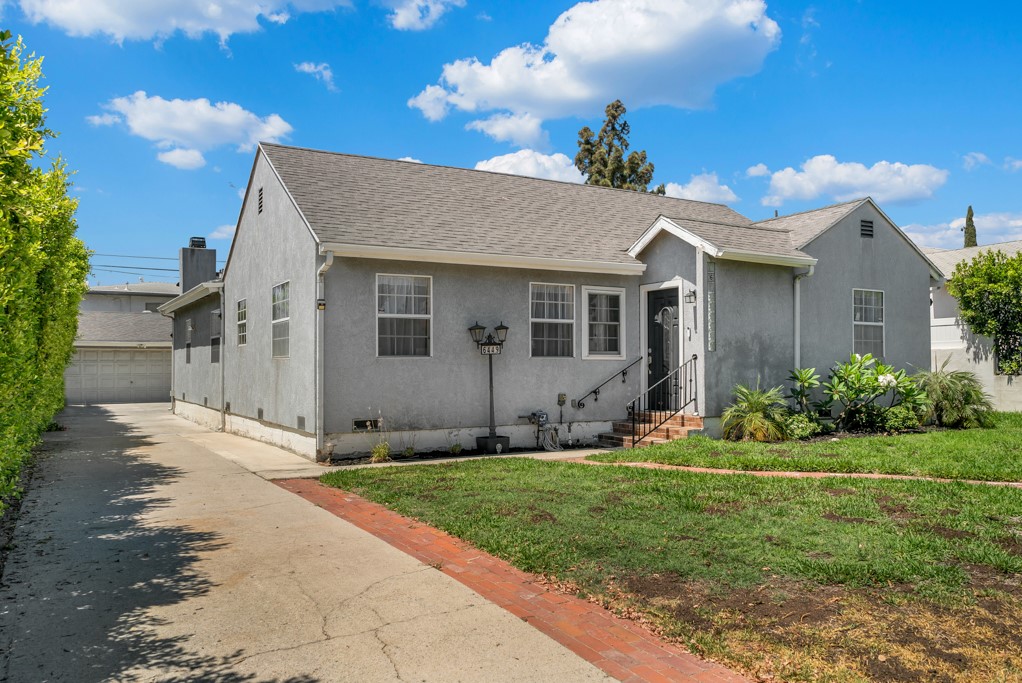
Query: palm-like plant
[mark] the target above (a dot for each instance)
(756, 415)
(956, 398)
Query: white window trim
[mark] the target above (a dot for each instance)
(574, 327)
(376, 307)
(882, 326)
(238, 323)
(280, 320)
(586, 291)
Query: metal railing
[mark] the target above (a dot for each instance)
(662, 401)
(579, 403)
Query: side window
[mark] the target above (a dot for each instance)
(552, 320)
(281, 317)
(214, 336)
(404, 315)
(868, 322)
(242, 322)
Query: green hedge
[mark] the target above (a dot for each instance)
(42, 265)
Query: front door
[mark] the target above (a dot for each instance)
(663, 337)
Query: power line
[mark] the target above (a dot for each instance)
(123, 272)
(118, 265)
(155, 258)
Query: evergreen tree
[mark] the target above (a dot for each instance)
(601, 158)
(970, 229)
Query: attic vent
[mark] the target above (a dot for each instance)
(260, 200)
(866, 229)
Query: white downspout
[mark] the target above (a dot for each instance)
(798, 315)
(320, 362)
(223, 361)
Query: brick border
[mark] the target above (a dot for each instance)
(622, 648)
(792, 475)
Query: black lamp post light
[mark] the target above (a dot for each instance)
(490, 346)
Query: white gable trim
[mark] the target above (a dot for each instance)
(467, 258)
(664, 224)
(196, 293)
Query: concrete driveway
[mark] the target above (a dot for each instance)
(143, 555)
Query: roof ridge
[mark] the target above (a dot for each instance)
(748, 226)
(822, 208)
(983, 246)
(498, 173)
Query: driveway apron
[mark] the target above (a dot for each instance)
(141, 555)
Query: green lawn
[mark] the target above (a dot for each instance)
(830, 579)
(986, 454)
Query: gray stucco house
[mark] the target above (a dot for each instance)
(951, 339)
(352, 282)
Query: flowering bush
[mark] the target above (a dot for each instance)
(860, 383)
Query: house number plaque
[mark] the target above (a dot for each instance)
(711, 306)
(489, 349)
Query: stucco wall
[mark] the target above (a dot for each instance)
(198, 381)
(269, 248)
(846, 261)
(754, 330)
(450, 389)
(122, 303)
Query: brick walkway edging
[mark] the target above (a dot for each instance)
(794, 475)
(620, 647)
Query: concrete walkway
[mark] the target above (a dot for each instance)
(141, 555)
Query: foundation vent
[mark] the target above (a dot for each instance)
(259, 413)
(205, 401)
(301, 422)
(227, 406)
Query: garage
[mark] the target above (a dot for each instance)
(98, 375)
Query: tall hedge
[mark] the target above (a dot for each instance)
(42, 265)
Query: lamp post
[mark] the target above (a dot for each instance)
(490, 346)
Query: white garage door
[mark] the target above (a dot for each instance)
(118, 376)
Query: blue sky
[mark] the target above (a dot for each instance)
(765, 106)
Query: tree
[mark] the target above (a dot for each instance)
(42, 265)
(970, 229)
(601, 158)
(989, 294)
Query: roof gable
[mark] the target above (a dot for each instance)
(805, 226)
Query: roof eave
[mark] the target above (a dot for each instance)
(196, 293)
(767, 259)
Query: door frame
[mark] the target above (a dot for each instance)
(644, 290)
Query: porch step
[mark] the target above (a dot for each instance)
(675, 427)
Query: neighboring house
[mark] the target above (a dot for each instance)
(123, 346)
(352, 282)
(951, 339)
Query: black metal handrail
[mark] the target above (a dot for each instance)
(595, 393)
(662, 401)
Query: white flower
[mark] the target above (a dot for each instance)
(887, 380)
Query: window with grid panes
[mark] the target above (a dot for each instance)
(868, 325)
(552, 320)
(404, 313)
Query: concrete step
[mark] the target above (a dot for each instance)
(679, 420)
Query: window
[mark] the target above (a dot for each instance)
(214, 336)
(152, 307)
(404, 315)
(242, 322)
(552, 320)
(868, 316)
(604, 322)
(281, 317)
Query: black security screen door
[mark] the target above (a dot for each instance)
(663, 340)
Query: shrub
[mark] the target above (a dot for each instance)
(455, 448)
(803, 381)
(801, 426)
(857, 385)
(900, 419)
(380, 452)
(867, 417)
(956, 398)
(755, 415)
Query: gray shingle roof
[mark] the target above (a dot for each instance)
(380, 202)
(806, 226)
(163, 288)
(947, 259)
(110, 326)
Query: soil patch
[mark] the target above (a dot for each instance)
(832, 517)
(898, 512)
(724, 509)
(950, 534)
(837, 493)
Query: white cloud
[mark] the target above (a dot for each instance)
(757, 171)
(705, 187)
(522, 130)
(990, 229)
(416, 15)
(185, 159)
(974, 159)
(145, 19)
(411, 159)
(1012, 164)
(529, 162)
(322, 72)
(883, 181)
(224, 232)
(644, 52)
(194, 125)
